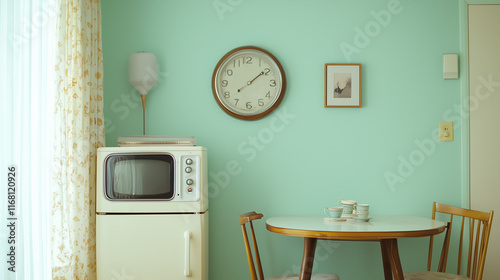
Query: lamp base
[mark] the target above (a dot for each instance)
(143, 98)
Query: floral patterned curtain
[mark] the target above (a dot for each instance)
(79, 131)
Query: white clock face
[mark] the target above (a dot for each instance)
(249, 83)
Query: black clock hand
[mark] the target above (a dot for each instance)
(250, 82)
(260, 74)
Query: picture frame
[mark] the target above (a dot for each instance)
(342, 85)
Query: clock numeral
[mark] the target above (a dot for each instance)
(249, 105)
(236, 103)
(261, 102)
(268, 94)
(244, 60)
(227, 94)
(229, 72)
(266, 71)
(272, 83)
(224, 83)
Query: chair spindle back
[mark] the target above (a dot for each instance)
(244, 219)
(477, 237)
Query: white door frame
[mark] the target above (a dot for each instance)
(464, 76)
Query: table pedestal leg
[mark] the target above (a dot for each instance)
(390, 258)
(386, 262)
(308, 258)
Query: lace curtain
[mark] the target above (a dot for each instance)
(51, 125)
(79, 131)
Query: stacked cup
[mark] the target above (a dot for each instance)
(348, 207)
(362, 210)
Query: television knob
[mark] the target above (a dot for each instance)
(189, 161)
(188, 169)
(189, 182)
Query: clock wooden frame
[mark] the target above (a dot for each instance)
(217, 94)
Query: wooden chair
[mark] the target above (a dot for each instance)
(248, 218)
(477, 236)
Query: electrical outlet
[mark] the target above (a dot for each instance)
(445, 131)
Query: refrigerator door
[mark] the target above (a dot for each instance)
(166, 246)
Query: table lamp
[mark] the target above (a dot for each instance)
(143, 75)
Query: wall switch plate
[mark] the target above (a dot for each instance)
(445, 131)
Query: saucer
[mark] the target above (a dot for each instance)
(334, 219)
(362, 220)
(349, 216)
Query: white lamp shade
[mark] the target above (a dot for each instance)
(143, 71)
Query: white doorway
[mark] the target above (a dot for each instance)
(484, 102)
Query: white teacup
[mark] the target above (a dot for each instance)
(335, 212)
(363, 210)
(348, 206)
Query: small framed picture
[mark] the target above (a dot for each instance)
(343, 85)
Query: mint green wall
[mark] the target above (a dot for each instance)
(303, 156)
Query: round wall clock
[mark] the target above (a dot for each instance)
(248, 83)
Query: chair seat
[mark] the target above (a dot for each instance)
(316, 276)
(430, 275)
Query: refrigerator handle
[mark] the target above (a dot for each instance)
(187, 268)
